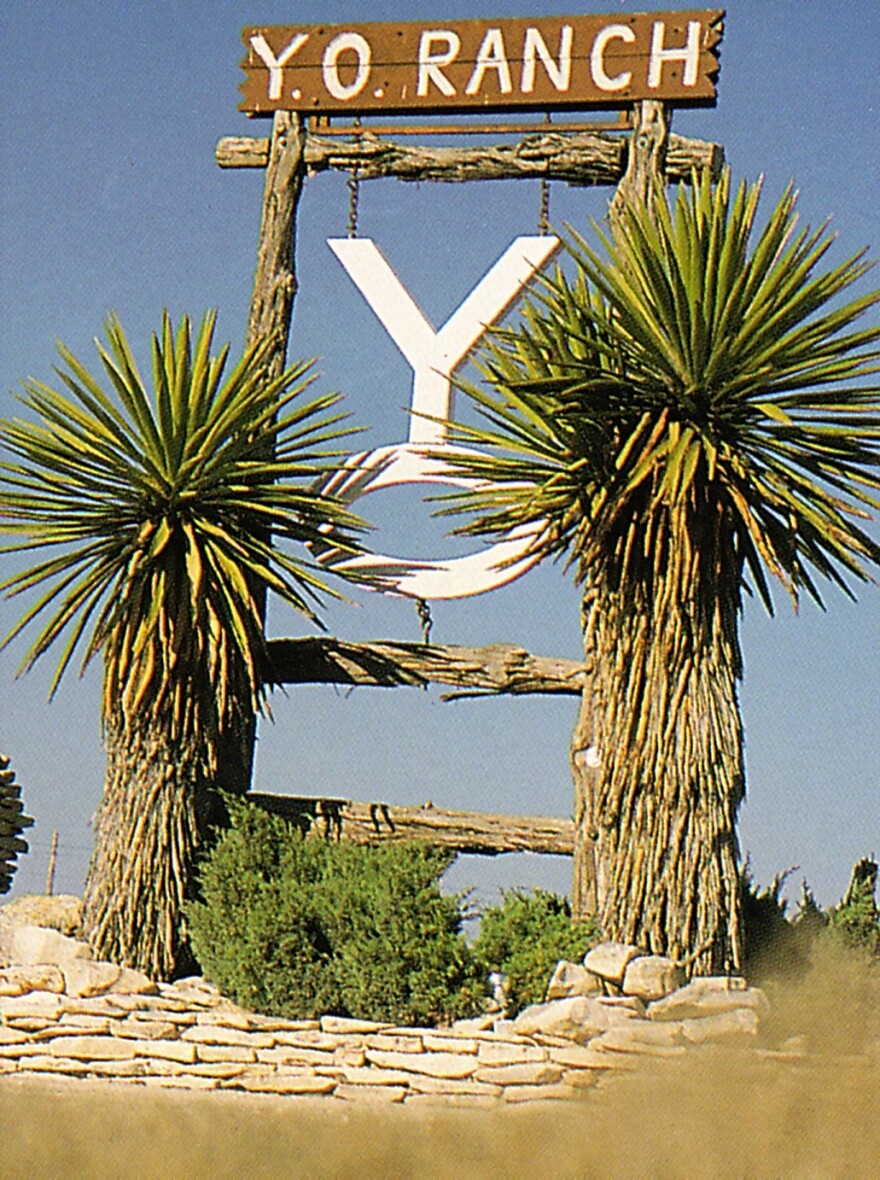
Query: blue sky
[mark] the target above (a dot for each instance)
(110, 198)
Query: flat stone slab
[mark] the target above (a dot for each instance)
(288, 1055)
(135, 983)
(578, 1018)
(502, 1054)
(344, 1024)
(706, 996)
(42, 977)
(182, 1082)
(233, 1054)
(721, 1026)
(85, 978)
(280, 1084)
(622, 1040)
(537, 1073)
(572, 979)
(609, 960)
(307, 1039)
(91, 1048)
(38, 944)
(450, 1086)
(145, 1030)
(370, 1076)
(438, 1065)
(41, 1005)
(651, 977)
(394, 1043)
(438, 1043)
(212, 1034)
(182, 1051)
(12, 1036)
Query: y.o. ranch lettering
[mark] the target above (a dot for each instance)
(460, 66)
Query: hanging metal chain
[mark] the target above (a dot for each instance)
(354, 193)
(544, 212)
(544, 215)
(424, 612)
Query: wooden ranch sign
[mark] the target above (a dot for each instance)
(549, 63)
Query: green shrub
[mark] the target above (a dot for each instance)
(525, 937)
(777, 946)
(299, 926)
(856, 921)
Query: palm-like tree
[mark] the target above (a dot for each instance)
(157, 513)
(686, 418)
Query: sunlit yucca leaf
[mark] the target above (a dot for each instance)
(702, 362)
(159, 514)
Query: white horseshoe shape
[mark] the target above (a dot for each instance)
(459, 577)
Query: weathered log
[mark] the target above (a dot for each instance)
(497, 669)
(459, 831)
(579, 158)
(275, 282)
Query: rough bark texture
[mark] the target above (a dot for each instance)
(498, 668)
(275, 281)
(578, 158)
(670, 783)
(150, 823)
(657, 755)
(646, 167)
(460, 831)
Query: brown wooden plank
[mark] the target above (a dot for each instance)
(460, 831)
(549, 63)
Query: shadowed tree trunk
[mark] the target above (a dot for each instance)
(159, 805)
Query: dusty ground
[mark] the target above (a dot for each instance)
(719, 1118)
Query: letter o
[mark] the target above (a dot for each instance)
(459, 577)
(330, 65)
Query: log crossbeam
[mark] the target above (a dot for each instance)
(475, 671)
(459, 831)
(577, 158)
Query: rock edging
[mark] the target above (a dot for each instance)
(64, 1015)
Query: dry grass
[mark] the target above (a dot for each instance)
(717, 1114)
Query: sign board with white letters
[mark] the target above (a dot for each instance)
(548, 63)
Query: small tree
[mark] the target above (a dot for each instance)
(684, 415)
(158, 511)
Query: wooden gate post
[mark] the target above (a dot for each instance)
(646, 162)
(270, 317)
(275, 281)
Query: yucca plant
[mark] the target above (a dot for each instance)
(159, 519)
(687, 417)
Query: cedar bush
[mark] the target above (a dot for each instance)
(783, 947)
(298, 926)
(525, 937)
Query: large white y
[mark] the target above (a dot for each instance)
(435, 355)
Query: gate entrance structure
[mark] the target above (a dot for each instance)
(322, 85)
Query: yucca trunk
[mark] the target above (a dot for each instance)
(159, 808)
(656, 848)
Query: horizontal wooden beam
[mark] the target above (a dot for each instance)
(581, 158)
(459, 831)
(476, 671)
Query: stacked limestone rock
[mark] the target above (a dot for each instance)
(66, 1016)
(624, 1001)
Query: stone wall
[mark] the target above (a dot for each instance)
(63, 1015)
